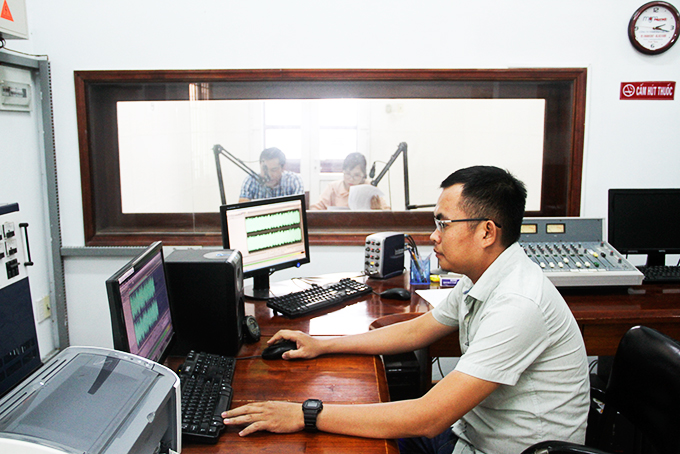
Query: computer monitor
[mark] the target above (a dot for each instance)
(271, 235)
(644, 221)
(140, 306)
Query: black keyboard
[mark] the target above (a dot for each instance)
(660, 274)
(206, 392)
(301, 303)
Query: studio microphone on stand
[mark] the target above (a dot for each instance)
(371, 174)
(266, 178)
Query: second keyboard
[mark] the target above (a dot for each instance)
(301, 303)
(661, 274)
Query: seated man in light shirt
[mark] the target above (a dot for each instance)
(336, 193)
(278, 181)
(523, 374)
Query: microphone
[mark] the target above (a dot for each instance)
(371, 174)
(265, 171)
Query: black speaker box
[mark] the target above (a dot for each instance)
(206, 300)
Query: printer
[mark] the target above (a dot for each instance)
(93, 400)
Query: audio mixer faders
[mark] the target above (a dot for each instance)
(572, 253)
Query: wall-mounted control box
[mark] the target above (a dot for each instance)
(13, 23)
(15, 88)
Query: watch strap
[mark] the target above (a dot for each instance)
(310, 410)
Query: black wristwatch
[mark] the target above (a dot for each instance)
(310, 410)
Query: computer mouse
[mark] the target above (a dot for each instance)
(275, 351)
(396, 294)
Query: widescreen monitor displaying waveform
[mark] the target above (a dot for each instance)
(140, 306)
(271, 234)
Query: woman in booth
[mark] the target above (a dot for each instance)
(336, 193)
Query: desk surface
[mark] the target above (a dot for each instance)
(343, 379)
(603, 314)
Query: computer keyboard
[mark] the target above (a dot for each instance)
(301, 303)
(206, 392)
(660, 274)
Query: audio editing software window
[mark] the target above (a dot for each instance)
(146, 309)
(268, 235)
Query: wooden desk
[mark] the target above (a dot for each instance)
(344, 379)
(603, 315)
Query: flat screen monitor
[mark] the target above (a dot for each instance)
(271, 235)
(140, 306)
(19, 353)
(644, 221)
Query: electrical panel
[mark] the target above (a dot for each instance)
(13, 23)
(15, 88)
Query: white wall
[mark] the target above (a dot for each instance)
(628, 143)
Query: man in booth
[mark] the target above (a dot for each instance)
(278, 182)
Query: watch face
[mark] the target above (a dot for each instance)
(654, 27)
(313, 404)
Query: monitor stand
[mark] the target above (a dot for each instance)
(656, 259)
(260, 288)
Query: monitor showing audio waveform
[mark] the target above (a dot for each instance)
(271, 234)
(140, 306)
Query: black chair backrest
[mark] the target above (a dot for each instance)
(644, 386)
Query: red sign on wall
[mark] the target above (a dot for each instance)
(647, 90)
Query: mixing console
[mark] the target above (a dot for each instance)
(572, 253)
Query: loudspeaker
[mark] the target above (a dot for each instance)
(206, 300)
(384, 255)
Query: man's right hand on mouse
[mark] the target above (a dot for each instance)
(307, 346)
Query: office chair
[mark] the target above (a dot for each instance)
(644, 388)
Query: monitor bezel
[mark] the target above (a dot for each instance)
(118, 324)
(655, 255)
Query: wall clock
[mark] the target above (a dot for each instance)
(653, 29)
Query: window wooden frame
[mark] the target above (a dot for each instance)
(564, 91)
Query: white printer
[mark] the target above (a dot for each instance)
(93, 400)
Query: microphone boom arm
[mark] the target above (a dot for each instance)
(219, 150)
(402, 148)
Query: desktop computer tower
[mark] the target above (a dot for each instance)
(406, 378)
(206, 300)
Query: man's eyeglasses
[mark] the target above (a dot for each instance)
(442, 223)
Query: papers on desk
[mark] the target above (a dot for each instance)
(360, 196)
(434, 296)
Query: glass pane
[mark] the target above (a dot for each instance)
(284, 112)
(338, 112)
(287, 140)
(549, 129)
(337, 143)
